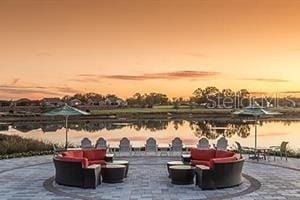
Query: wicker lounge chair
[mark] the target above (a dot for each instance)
(86, 176)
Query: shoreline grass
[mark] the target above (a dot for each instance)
(12, 146)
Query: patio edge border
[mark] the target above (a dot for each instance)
(254, 185)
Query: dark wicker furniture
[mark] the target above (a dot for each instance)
(122, 162)
(223, 174)
(113, 173)
(216, 168)
(74, 173)
(109, 157)
(182, 174)
(186, 158)
(173, 163)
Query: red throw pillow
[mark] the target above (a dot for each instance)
(84, 161)
(94, 154)
(223, 154)
(97, 162)
(223, 160)
(202, 154)
(73, 153)
(201, 162)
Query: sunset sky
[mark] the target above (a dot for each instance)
(58, 47)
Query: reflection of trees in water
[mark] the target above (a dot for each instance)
(89, 126)
(206, 129)
(24, 128)
(283, 122)
(242, 130)
(94, 126)
(177, 124)
(152, 125)
(4, 127)
(200, 128)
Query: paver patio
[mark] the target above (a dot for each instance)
(31, 178)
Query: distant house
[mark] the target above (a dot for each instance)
(288, 102)
(75, 102)
(94, 101)
(22, 102)
(52, 102)
(294, 101)
(35, 103)
(115, 101)
(4, 103)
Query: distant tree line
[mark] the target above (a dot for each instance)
(208, 97)
(85, 97)
(148, 100)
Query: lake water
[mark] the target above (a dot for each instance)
(269, 133)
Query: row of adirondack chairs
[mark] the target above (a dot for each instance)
(152, 146)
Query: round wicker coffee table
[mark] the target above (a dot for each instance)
(173, 163)
(122, 162)
(113, 173)
(182, 174)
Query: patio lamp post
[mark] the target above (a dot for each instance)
(255, 131)
(67, 129)
(66, 111)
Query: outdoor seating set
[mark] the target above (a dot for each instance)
(212, 168)
(264, 153)
(87, 168)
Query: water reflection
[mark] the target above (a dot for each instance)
(93, 126)
(212, 130)
(164, 130)
(151, 125)
(4, 127)
(208, 129)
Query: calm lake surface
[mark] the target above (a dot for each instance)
(269, 132)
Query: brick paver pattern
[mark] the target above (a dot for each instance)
(23, 178)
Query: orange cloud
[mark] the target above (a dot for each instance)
(185, 74)
(16, 91)
(14, 81)
(266, 80)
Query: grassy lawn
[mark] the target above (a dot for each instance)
(158, 109)
(181, 109)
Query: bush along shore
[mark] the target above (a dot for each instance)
(13, 146)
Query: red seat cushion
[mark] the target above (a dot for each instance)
(223, 160)
(84, 161)
(73, 153)
(223, 154)
(97, 162)
(94, 154)
(201, 162)
(202, 154)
